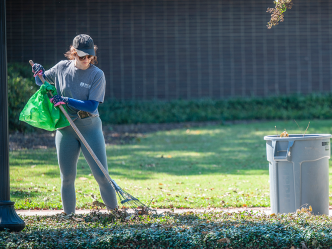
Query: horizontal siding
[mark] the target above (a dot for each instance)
(168, 49)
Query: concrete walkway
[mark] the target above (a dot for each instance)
(159, 211)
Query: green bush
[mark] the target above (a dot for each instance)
(314, 106)
(21, 86)
(189, 230)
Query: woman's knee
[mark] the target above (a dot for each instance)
(67, 179)
(101, 179)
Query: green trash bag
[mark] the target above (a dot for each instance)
(41, 113)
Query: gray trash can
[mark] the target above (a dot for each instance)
(299, 172)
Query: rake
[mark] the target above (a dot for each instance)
(125, 198)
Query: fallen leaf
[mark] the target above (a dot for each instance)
(303, 245)
(33, 166)
(160, 184)
(83, 178)
(244, 205)
(78, 219)
(224, 240)
(98, 204)
(130, 217)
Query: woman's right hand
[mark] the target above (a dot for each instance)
(37, 69)
(59, 100)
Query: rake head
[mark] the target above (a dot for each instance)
(130, 201)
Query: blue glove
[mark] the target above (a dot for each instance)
(59, 100)
(37, 69)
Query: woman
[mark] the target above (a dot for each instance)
(81, 87)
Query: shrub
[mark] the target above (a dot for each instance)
(245, 229)
(314, 106)
(21, 86)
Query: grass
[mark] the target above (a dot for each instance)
(215, 166)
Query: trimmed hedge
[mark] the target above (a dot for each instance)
(314, 106)
(189, 230)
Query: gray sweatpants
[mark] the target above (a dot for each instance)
(68, 147)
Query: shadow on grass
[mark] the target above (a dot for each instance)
(213, 150)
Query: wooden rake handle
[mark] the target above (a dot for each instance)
(79, 134)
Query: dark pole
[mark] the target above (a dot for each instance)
(8, 217)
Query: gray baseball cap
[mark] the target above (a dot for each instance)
(84, 45)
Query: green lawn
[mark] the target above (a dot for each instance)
(215, 166)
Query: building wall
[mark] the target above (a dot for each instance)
(168, 49)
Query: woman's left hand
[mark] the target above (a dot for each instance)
(37, 69)
(59, 100)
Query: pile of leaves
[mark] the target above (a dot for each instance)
(246, 229)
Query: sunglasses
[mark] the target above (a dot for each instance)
(84, 57)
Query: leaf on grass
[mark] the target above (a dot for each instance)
(98, 204)
(83, 178)
(33, 166)
(224, 240)
(161, 184)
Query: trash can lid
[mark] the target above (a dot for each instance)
(298, 137)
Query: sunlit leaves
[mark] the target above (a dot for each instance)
(277, 13)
